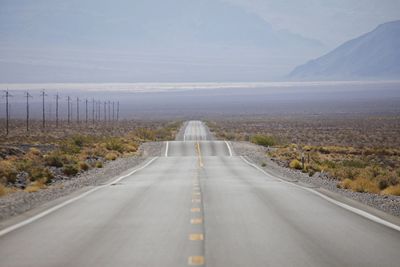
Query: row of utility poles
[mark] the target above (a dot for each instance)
(110, 110)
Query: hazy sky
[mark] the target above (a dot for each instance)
(175, 40)
(330, 21)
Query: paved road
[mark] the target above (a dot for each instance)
(198, 205)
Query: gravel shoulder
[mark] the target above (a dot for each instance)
(20, 202)
(257, 154)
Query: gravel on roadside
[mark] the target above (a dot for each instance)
(21, 201)
(257, 154)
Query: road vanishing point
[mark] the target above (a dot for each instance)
(199, 204)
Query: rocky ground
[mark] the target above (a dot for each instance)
(21, 201)
(257, 154)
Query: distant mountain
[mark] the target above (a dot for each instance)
(375, 55)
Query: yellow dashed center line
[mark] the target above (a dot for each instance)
(196, 237)
(196, 260)
(196, 221)
(199, 154)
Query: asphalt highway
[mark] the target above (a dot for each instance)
(199, 204)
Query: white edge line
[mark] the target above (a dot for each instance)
(65, 203)
(166, 149)
(229, 148)
(338, 203)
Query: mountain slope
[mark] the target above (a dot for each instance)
(375, 55)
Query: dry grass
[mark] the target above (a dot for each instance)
(295, 164)
(392, 190)
(36, 186)
(111, 156)
(364, 185)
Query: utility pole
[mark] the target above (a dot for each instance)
(77, 110)
(109, 105)
(43, 109)
(86, 103)
(57, 96)
(98, 110)
(117, 110)
(69, 111)
(93, 110)
(105, 111)
(27, 110)
(113, 105)
(7, 112)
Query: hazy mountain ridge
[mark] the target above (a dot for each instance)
(374, 55)
(143, 40)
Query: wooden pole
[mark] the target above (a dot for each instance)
(43, 109)
(117, 110)
(86, 103)
(69, 110)
(77, 110)
(27, 110)
(57, 96)
(7, 112)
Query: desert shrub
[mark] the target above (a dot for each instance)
(131, 147)
(392, 190)
(315, 167)
(111, 156)
(162, 134)
(78, 140)
(35, 186)
(375, 171)
(346, 183)
(263, 164)
(354, 163)
(69, 147)
(39, 173)
(295, 164)
(228, 136)
(364, 185)
(145, 134)
(8, 171)
(115, 144)
(99, 164)
(83, 166)
(34, 151)
(383, 184)
(324, 150)
(346, 173)
(70, 170)
(54, 160)
(263, 140)
(3, 190)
